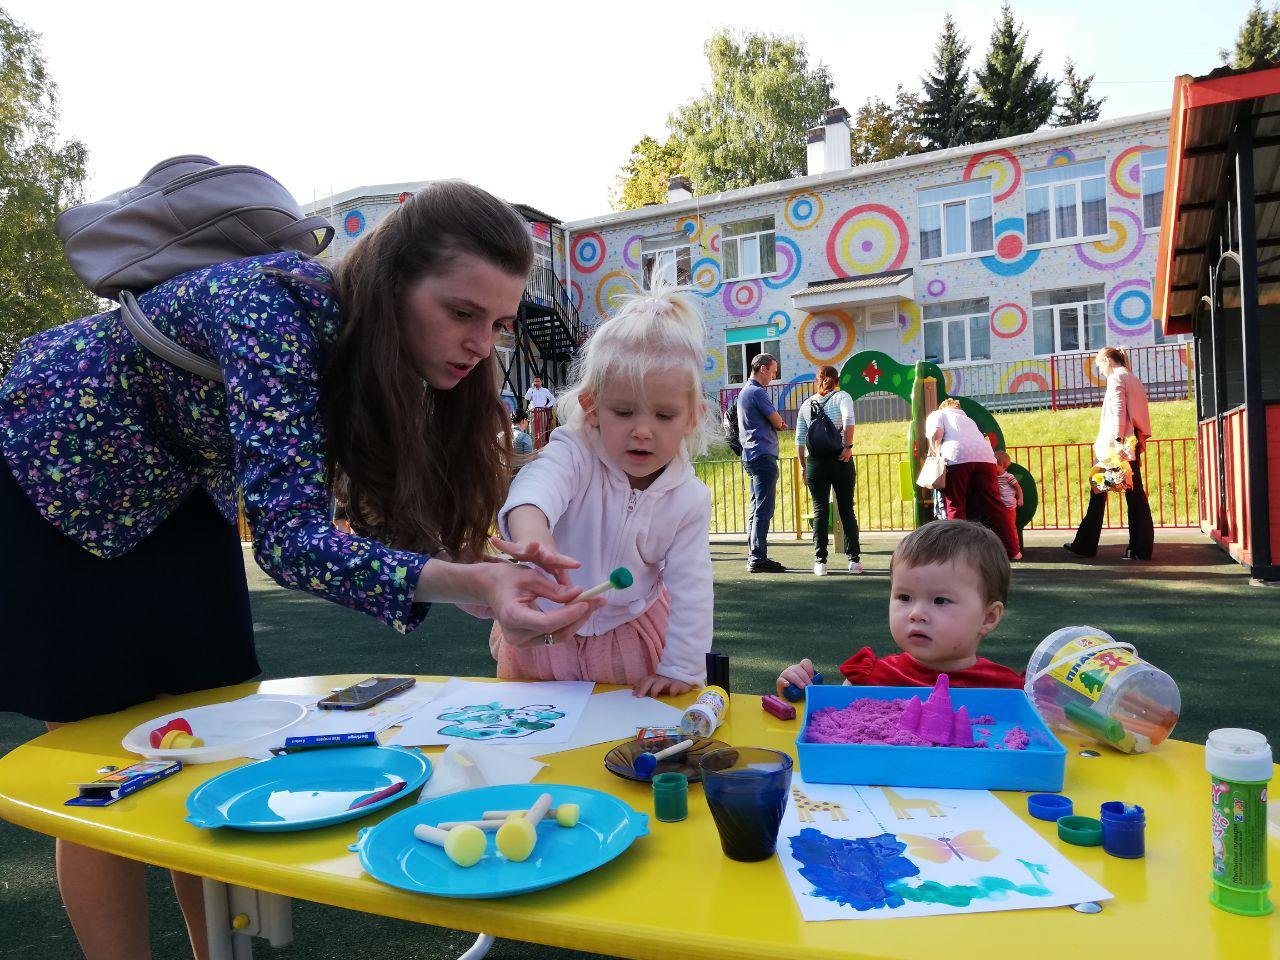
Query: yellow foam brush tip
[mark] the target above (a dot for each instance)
(516, 839)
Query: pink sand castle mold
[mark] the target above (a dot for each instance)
(934, 721)
(962, 730)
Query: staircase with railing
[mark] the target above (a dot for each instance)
(547, 335)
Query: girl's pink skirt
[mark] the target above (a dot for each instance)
(626, 654)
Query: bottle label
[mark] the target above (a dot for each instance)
(1239, 819)
(1088, 671)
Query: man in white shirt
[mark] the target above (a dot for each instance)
(540, 402)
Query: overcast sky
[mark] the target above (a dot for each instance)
(538, 102)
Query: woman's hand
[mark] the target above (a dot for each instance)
(656, 685)
(800, 674)
(512, 591)
(540, 555)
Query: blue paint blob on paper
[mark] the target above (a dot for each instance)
(859, 873)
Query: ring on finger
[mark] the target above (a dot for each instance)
(549, 639)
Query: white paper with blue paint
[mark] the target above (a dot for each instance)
(503, 713)
(873, 853)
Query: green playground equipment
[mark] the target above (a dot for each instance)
(871, 371)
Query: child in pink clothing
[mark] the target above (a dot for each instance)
(614, 487)
(1007, 484)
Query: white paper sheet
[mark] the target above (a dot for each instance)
(615, 715)
(503, 713)
(917, 852)
(464, 768)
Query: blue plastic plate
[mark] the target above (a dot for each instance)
(389, 852)
(301, 791)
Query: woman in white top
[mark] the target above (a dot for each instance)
(1124, 414)
(826, 456)
(971, 472)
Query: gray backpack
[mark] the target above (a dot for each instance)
(188, 212)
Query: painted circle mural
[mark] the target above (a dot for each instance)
(612, 289)
(826, 337)
(540, 230)
(782, 320)
(1091, 375)
(353, 223)
(867, 239)
(587, 252)
(1126, 172)
(631, 252)
(935, 287)
(1129, 308)
(691, 227)
(404, 197)
(908, 320)
(1012, 256)
(1001, 166)
(742, 298)
(1123, 244)
(953, 380)
(711, 239)
(802, 210)
(1026, 375)
(575, 294)
(785, 394)
(713, 366)
(1061, 157)
(705, 274)
(789, 260)
(1008, 320)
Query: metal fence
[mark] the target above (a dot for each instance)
(1058, 382)
(1061, 473)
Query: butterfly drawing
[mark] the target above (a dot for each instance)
(970, 845)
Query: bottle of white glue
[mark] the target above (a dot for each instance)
(1239, 765)
(705, 714)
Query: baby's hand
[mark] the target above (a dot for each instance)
(656, 685)
(801, 674)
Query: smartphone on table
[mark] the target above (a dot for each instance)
(366, 693)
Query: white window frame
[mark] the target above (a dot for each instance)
(1055, 310)
(1147, 162)
(966, 311)
(669, 256)
(741, 238)
(1052, 179)
(771, 347)
(973, 196)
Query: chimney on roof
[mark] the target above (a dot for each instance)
(679, 188)
(830, 144)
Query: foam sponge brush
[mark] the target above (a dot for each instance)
(519, 835)
(620, 579)
(464, 844)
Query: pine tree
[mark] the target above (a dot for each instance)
(1258, 40)
(947, 107)
(1013, 96)
(1074, 104)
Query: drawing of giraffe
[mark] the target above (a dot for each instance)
(806, 808)
(903, 805)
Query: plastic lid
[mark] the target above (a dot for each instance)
(1049, 806)
(1081, 831)
(1245, 901)
(1236, 754)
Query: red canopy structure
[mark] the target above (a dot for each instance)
(1218, 278)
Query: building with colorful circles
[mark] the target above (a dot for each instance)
(1002, 261)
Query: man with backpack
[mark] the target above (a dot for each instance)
(824, 444)
(758, 426)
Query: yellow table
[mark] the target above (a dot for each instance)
(673, 893)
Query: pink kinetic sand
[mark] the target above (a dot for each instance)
(906, 723)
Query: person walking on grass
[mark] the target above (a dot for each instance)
(758, 425)
(824, 444)
(122, 576)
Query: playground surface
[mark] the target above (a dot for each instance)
(1191, 612)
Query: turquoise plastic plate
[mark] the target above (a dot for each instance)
(389, 852)
(302, 791)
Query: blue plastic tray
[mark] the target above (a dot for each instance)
(389, 852)
(301, 791)
(1040, 767)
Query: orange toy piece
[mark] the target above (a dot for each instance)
(177, 740)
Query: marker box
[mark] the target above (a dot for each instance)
(120, 783)
(648, 733)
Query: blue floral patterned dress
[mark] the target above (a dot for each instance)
(107, 439)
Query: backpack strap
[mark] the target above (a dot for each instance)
(287, 236)
(145, 333)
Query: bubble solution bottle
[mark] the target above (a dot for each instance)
(1239, 765)
(705, 714)
(1082, 680)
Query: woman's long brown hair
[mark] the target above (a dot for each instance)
(418, 468)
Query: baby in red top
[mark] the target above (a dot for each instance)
(949, 581)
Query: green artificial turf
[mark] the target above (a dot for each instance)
(1192, 612)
